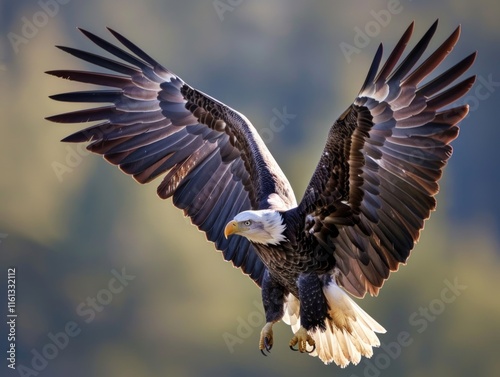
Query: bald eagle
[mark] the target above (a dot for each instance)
(359, 217)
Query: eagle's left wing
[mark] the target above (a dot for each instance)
(376, 180)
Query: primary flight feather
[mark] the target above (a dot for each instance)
(360, 215)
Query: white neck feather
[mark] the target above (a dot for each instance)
(268, 226)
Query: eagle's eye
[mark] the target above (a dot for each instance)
(247, 223)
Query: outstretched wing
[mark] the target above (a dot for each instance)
(375, 183)
(158, 125)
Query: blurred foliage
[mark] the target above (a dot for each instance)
(66, 234)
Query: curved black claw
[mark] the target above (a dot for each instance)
(302, 339)
(266, 338)
(267, 346)
(311, 351)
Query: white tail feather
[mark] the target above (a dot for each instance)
(350, 333)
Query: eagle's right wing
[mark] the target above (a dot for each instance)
(157, 125)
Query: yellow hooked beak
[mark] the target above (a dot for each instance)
(232, 227)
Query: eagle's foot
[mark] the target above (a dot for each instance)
(302, 338)
(266, 338)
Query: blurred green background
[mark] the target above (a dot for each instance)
(183, 311)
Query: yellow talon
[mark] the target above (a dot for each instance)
(302, 338)
(266, 338)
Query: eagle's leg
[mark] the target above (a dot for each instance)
(313, 311)
(273, 297)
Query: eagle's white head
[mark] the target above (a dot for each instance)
(262, 226)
